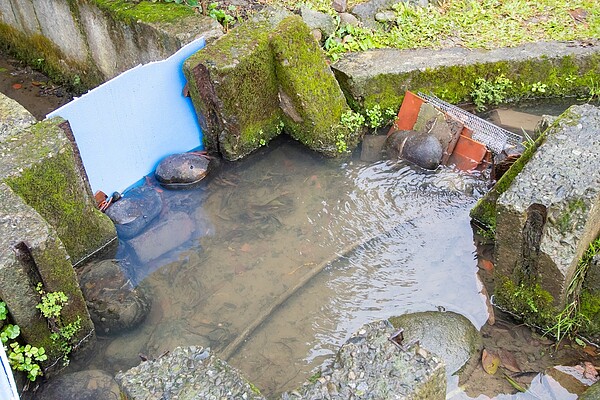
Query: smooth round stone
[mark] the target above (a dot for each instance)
(423, 150)
(180, 171)
(385, 16)
(114, 304)
(395, 142)
(83, 385)
(135, 210)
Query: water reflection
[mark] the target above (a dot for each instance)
(262, 224)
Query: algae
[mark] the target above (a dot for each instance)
(145, 11)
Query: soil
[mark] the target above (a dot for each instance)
(32, 89)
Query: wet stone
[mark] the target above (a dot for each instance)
(423, 150)
(114, 304)
(395, 143)
(186, 373)
(370, 366)
(182, 171)
(135, 211)
(83, 385)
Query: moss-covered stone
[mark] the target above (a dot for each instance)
(309, 94)
(383, 76)
(145, 11)
(234, 90)
(41, 166)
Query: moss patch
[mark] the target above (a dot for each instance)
(50, 182)
(316, 101)
(234, 90)
(145, 11)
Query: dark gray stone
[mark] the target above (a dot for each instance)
(370, 366)
(135, 210)
(449, 335)
(186, 373)
(348, 19)
(83, 385)
(550, 214)
(366, 11)
(395, 143)
(318, 20)
(182, 171)
(424, 150)
(339, 6)
(114, 304)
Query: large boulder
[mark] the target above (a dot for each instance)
(186, 373)
(82, 385)
(450, 336)
(370, 366)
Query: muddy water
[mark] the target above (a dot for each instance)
(262, 224)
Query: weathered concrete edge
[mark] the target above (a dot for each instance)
(382, 76)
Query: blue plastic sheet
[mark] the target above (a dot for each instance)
(124, 127)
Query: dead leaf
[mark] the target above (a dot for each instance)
(509, 361)
(591, 350)
(485, 265)
(17, 86)
(579, 15)
(490, 361)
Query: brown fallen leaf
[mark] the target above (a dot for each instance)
(579, 15)
(591, 350)
(485, 265)
(509, 361)
(490, 362)
(17, 86)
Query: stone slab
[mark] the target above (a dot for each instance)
(13, 117)
(550, 214)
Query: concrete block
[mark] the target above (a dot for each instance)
(7, 14)
(13, 117)
(25, 16)
(31, 252)
(550, 214)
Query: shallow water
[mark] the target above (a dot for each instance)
(261, 224)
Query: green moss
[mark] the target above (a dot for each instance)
(317, 101)
(146, 11)
(40, 53)
(51, 184)
(524, 297)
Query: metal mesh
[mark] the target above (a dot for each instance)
(495, 138)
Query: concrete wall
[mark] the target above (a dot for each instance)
(90, 42)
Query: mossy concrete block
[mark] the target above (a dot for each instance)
(31, 252)
(549, 215)
(309, 95)
(234, 90)
(13, 117)
(43, 167)
(382, 76)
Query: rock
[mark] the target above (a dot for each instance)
(84, 385)
(348, 19)
(592, 393)
(370, 366)
(550, 213)
(317, 35)
(373, 148)
(14, 117)
(366, 11)
(31, 253)
(385, 16)
(135, 211)
(395, 143)
(574, 378)
(114, 304)
(544, 123)
(446, 334)
(190, 373)
(124, 350)
(182, 171)
(315, 100)
(318, 20)
(163, 237)
(170, 334)
(423, 150)
(339, 6)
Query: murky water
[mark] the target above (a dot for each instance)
(393, 239)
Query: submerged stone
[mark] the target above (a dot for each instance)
(135, 210)
(83, 385)
(181, 171)
(114, 304)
